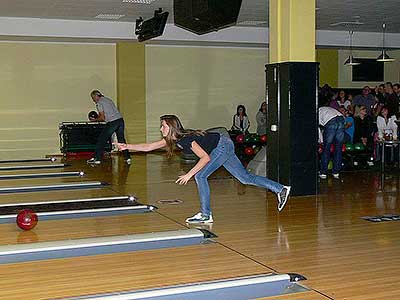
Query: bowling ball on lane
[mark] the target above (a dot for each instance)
(27, 219)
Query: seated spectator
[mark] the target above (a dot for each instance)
(240, 120)
(365, 99)
(351, 106)
(387, 128)
(261, 119)
(363, 127)
(343, 100)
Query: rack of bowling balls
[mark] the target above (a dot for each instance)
(81, 137)
(354, 156)
(247, 145)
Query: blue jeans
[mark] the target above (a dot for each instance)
(224, 155)
(333, 134)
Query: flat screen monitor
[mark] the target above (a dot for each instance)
(368, 70)
(152, 28)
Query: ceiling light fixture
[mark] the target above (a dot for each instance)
(109, 16)
(350, 61)
(252, 23)
(384, 57)
(138, 1)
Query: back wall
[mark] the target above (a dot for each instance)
(203, 85)
(43, 84)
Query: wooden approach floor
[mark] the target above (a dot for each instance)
(321, 237)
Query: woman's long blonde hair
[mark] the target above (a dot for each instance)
(176, 132)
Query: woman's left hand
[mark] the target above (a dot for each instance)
(183, 179)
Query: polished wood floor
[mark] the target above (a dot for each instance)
(321, 237)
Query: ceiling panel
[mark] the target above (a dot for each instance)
(253, 12)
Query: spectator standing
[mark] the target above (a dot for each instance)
(333, 133)
(391, 99)
(261, 119)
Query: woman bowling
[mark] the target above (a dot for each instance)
(213, 150)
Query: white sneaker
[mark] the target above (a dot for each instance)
(322, 176)
(93, 161)
(200, 218)
(283, 197)
(128, 161)
(336, 175)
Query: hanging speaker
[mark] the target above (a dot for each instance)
(204, 16)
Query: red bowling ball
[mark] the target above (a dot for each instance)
(263, 138)
(320, 148)
(240, 138)
(249, 151)
(27, 219)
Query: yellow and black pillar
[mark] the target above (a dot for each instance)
(292, 91)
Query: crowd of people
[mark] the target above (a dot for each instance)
(365, 119)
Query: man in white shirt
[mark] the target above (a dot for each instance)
(333, 123)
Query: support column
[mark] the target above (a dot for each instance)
(291, 30)
(292, 86)
(131, 89)
(131, 94)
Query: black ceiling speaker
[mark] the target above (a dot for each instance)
(151, 28)
(204, 16)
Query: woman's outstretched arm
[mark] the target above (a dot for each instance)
(145, 147)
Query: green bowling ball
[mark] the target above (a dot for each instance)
(349, 147)
(248, 138)
(256, 138)
(359, 147)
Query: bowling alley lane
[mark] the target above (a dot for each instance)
(42, 181)
(40, 171)
(65, 229)
(55, 195)
(91, 275)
